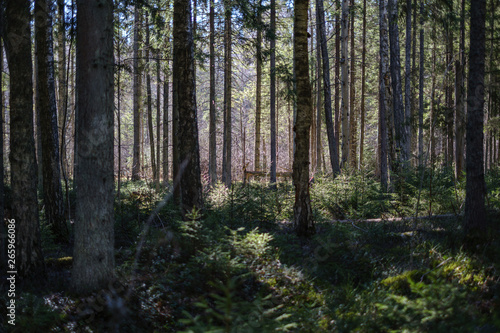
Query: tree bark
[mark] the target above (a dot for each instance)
(227, 144)
(344, 83)
(303, 221)
(29, 258)
(475, 215)
(384, 94)
(408, 92)
(212, 164)
(327, 90)
(136, 154)
(460, 100)
(185, 102)
(272, 71)
(150, 104)
(353, 119)
(166, 83)
(401, 130)
(421, 91)
(47, 111)
(337, 81)
(94, 178)
(363, 89)
(3, 227)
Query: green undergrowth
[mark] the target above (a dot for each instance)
(237, 266)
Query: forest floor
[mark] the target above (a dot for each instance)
(238, 267)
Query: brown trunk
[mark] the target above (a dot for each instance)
(303, 221)
(29, 258)
(475, 215)
(212, 163)
(47, 111)
(344, 83)
(227, 139)
(353, 120)
(150, 105)
(94, 179)
(189, 172)
(272, 71)
(363, 84)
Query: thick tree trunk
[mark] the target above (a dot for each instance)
(94, 177)
(62, 80)
(384, 92)
(303, 221)
(475, 215)
(401, 130)
(272, 71)
(344, 82)
(212, 154)
(29, 258)
(3, 227)
(227, 139)
(47, 111)
(136, 154)
(185, 103)
(327, 91)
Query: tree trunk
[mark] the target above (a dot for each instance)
(449, 92)
(401, 130)
(344, 82)
(227, 144)
(384, 92)
(475, 215)
(185, 103)
(62, 77)
(118, 115)
(3, 227)
(136, 155)
(303, 221)
(272, 71)
(319, 105)
(353, 120)
(158, 118)
(408, 92)
(363, 88)
(212, 164)
(337, 81)
(327, 91)
(29, 258)
(94, 179)
(460, 100)
(421, 90)
(150, 105)
(47, 111)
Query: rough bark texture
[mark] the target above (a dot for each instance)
(227, 144)
(47, 111)
(29, 258)
(136, 154)
(408, 92)
(272, 93)
(475, 216)
(93, 263)
(303, 221)
(3, 227)
(421, 90)
(185, 102)
(344, 84)
(460, 99)
(212, 164)
(363, 89)
(384, 94)
(353, 119)
(401, 130)
(337, 80)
